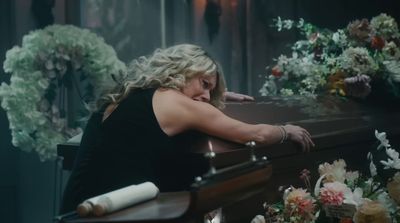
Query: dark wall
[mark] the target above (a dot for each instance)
(26, 184)
(8, 156)
(131, 27)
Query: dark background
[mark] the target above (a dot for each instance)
(245, 45)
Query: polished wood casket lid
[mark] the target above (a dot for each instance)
(333, 122)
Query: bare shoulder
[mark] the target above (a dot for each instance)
(176, 112)
(165, 93)
(171, 110)
(169, 99)
(175, 100)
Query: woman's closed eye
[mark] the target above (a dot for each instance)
(206, 84)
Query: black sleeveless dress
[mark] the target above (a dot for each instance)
(128, 148)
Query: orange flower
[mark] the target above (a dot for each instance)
(336, 83)
(276, 71)
(377, 42)
(346, 220)
(299, 203)
(372, 212)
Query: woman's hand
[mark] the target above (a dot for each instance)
(232, 96)
(299, 135)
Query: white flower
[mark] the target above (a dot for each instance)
(371, 185)
(357, 60)
(337, 186)
(355, 197)
(352, 176)
(300, 23)
(372, 169)
(382, 138)
(393, 69)
(335, 37)
(334, 172)
(340, 38)
(392, 154)
(287, 24)
(258, 219)
(394, 162)
(387, 202)
(269, 88)
(278, 24)
(286, 92)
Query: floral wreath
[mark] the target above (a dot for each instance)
(42, 69)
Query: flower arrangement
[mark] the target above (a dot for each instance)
(347, 62)
(50, 61)
(345, 195)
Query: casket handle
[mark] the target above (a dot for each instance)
(251, 145)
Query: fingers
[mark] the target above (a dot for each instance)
(300, 136)
(308, 143)
(304, 146)
(306, 132)
(307, 137)
(232, 96)
(247, 98)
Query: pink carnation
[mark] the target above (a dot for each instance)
(333, 193)
(299, 203)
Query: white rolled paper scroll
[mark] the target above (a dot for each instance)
(119, 199)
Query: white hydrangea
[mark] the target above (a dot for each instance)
(35, 122)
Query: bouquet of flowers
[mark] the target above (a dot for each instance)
(345, 63)
(344, 195)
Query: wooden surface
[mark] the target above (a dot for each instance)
(226, 186)
(340, 129)
(167, 207)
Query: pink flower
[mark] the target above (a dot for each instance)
(299, 203)
(333, 193)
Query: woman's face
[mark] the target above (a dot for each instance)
(199, 87)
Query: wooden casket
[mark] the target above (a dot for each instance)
(340, 129)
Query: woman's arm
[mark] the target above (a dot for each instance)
(176, 113)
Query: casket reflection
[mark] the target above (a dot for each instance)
(339, 128)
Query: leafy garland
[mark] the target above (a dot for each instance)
(41, 69)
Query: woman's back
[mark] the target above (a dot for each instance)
(128, 148)
(132, 145)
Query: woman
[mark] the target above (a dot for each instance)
(132, 138)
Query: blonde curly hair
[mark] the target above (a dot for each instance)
(170, 68)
